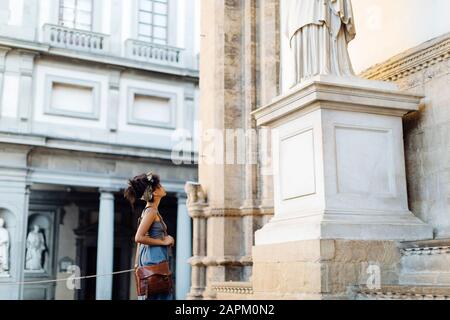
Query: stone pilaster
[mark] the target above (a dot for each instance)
(269, 88)
(26, 88)
(196, 203)
(114, 99)
(3, 52)
(221, 109)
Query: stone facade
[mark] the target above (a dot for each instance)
(83, 108)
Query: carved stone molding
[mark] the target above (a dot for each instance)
(425, 251)
(214, 261)
(223, 212)
(404, 293)
(411, 61)
(196, 261)
(244, 288)
(425, 247)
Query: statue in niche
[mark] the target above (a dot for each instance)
(35, 248)
(319, 32)
(4, 248)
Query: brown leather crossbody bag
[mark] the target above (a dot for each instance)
(153, 279)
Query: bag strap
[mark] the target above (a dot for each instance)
(163, 223)
(136, 257)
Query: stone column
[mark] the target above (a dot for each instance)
(184, 249)
(196, 205)
(105, 246)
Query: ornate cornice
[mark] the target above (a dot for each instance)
(215, 261)
(425, 248)
(405, 293)
(411, 61)
(244, 288)
(425, 251)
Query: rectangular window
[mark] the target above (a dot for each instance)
(153, 21)
(76, 14)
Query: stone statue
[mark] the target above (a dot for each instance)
(35, 247)
(319, 32)
(4, 248)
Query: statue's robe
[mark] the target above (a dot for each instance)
(35, 247)
(4, 249)
(319, 32)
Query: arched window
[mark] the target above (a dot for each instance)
(76, 14)
(153, 21)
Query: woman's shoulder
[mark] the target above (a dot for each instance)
(149, 211)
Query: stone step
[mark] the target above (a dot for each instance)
(425, 262)
(404, 292)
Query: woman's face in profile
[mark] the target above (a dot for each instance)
(159, 191)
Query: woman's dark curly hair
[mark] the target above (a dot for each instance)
(137, 186)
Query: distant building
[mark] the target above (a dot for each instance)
(91, 93)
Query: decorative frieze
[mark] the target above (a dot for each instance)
(403, 293)
(425, 251)
(411, 61)
(215, 261)
(240, 288)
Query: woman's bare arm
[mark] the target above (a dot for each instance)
(144, 226)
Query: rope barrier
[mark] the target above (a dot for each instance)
(65, 279)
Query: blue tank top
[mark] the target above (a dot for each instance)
(149, 255)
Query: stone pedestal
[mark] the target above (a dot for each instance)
(338, 162)
(339, 188)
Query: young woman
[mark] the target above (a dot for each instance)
(151, 235)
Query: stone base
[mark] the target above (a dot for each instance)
(405, 292)
(320, 269)
(425, 263)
